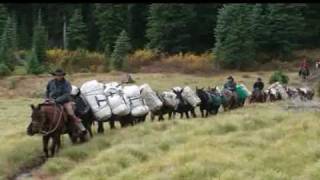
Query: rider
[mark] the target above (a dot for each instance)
(230, 84)
(58, 90)
(258, 85)
(304, 66)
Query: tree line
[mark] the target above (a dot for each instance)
(239, 34)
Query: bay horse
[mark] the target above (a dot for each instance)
(50, 120)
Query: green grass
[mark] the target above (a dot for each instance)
(256, 142)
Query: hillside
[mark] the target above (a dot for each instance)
(258, 141)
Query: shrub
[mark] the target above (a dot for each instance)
(4, 70)
(142, 57)
(76, 61)
(279, 76)
(190, 63)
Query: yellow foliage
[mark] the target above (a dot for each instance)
(141, 57)
(76, 61)
(190, 62)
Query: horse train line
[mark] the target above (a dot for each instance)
(99, 103)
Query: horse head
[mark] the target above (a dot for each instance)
(37, 119)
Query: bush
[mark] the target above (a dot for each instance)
(190, 63)
(4, 70)
(279, 76)
(142, 57)
(76, 61)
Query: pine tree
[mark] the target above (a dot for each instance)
(3, 17)
(234, 39)
(121, 50)
(8, 44)
(111, 20)
(40, 40)
(33, 64)
(76, 32)
(170, 27)
(107, 57)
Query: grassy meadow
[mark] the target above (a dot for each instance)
(259, 141)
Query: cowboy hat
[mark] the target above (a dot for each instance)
(58, 72)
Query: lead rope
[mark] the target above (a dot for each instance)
(45, 133)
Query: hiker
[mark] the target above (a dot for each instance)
(58, 90)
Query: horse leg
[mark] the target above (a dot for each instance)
(152, 116)
(53, 145)
(111, 123)
(100, 127)
(45, 142)
(202, 113)
(207, 113)
(193, 113)
(58, 143)
(181, 115)
(170, 115)
(90, 129)
(187, 114)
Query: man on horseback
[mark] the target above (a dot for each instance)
(58, 91)
(258, 85)
(304, 68)
(230, 84)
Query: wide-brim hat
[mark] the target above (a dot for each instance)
(58, 72)
(230, 77)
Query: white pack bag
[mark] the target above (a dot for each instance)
(93, 93)
(137, 104)
(75, 90)
(116, 100)
(190, 96)
(170, 99)
(150, 97)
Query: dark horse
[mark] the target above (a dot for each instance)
(229, 100)
(258, 96)
(50, 120)
(165, 109)
(209, 102)
(183, 106)
(304, 73)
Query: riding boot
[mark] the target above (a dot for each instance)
(80, 126)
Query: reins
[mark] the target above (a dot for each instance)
(45, 133)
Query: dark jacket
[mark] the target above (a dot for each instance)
(59, 91)
(231, 85)
(258, 85)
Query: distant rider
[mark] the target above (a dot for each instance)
(258, 85)
(230, 84)
(304, 66)
(58, 90)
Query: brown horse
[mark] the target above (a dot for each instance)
(50, 120)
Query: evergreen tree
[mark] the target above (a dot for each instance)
(111, 20)
(121, 50)
(40, 40)
(8, 44)
(234, 39)
(3, 17)
(170, 27)
(33, 65)
(107, 57)
(76, 33)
